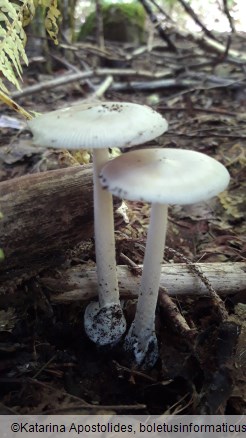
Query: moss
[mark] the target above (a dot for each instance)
(1, 255)
(123, 22)
(132, 11)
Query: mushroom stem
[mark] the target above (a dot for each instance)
(141, 340)
(150, 281)
(104, 321)
(108, 289)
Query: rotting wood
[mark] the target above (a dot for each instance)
(44, 215)
(80, 283)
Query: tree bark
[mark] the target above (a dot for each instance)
(44, 215)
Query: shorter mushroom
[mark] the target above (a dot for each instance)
(160, 176)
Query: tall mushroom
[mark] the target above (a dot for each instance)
(160, 176)
(99, 126)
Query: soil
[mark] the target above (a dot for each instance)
(48, 365)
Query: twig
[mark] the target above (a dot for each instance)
(208, 134)
(69, 78)
(197, 20)
(161, 10)
(102, 88)
(215, 46)
(134, 372)
(81, 62)
(96, 407)
(175, 409)
(229, 17)
(153, 84)
(44, 366)
(178, 321)
(135, 269)
(66, 63)
(196, 109)
(158, 26)
(193, 85)
(4, 98)
(195, 270)
(224, 55)
(88, 48)
(83, 403)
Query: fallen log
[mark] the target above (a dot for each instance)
(44, 215)
(80, 282)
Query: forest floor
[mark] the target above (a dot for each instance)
(47, 363)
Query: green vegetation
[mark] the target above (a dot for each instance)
(14, 16)
(123, 22)
(1, 255)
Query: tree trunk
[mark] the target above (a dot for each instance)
(44, 215)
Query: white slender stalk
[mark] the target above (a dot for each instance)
(104, 235)
(141, 340)
(104, 321)
(150, 281)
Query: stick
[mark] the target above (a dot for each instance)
(74, 77)
(44, 215)
(195, 17)
(229, 17)
(162, 33)
(215, 46)
(196, 82)
(80, 283)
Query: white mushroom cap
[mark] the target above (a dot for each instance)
(98, 125)
(165, 176)
(160, 176)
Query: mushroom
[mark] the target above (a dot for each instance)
(99, 126)
(162, 177)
